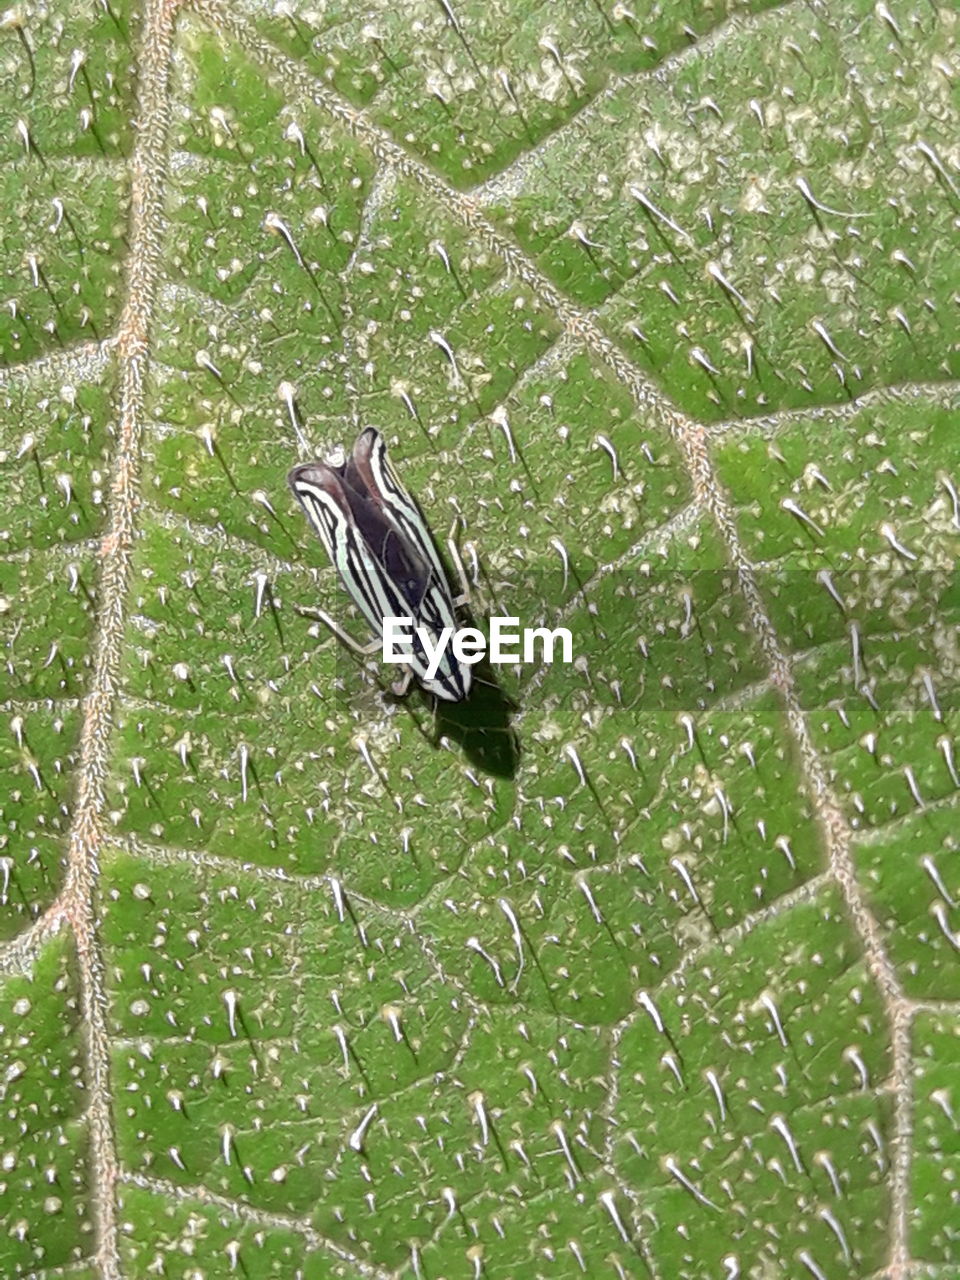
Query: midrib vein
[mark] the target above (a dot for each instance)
(76, 903)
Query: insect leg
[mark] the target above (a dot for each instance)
(464, 595)
(402, 684)
(364, 650)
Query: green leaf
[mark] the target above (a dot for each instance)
(644, 965)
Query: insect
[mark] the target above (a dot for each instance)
(382, 549)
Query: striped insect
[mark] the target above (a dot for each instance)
(382, 549)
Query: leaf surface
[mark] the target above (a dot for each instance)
(643, 965)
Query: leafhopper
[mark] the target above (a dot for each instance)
(383, 551)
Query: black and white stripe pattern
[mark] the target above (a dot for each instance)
(382, 549)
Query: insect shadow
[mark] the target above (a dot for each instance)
(481, 724)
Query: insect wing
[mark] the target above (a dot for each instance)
(326, 502)
(436, 609)
(399, 559)
(385, 489)
(382, 549)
